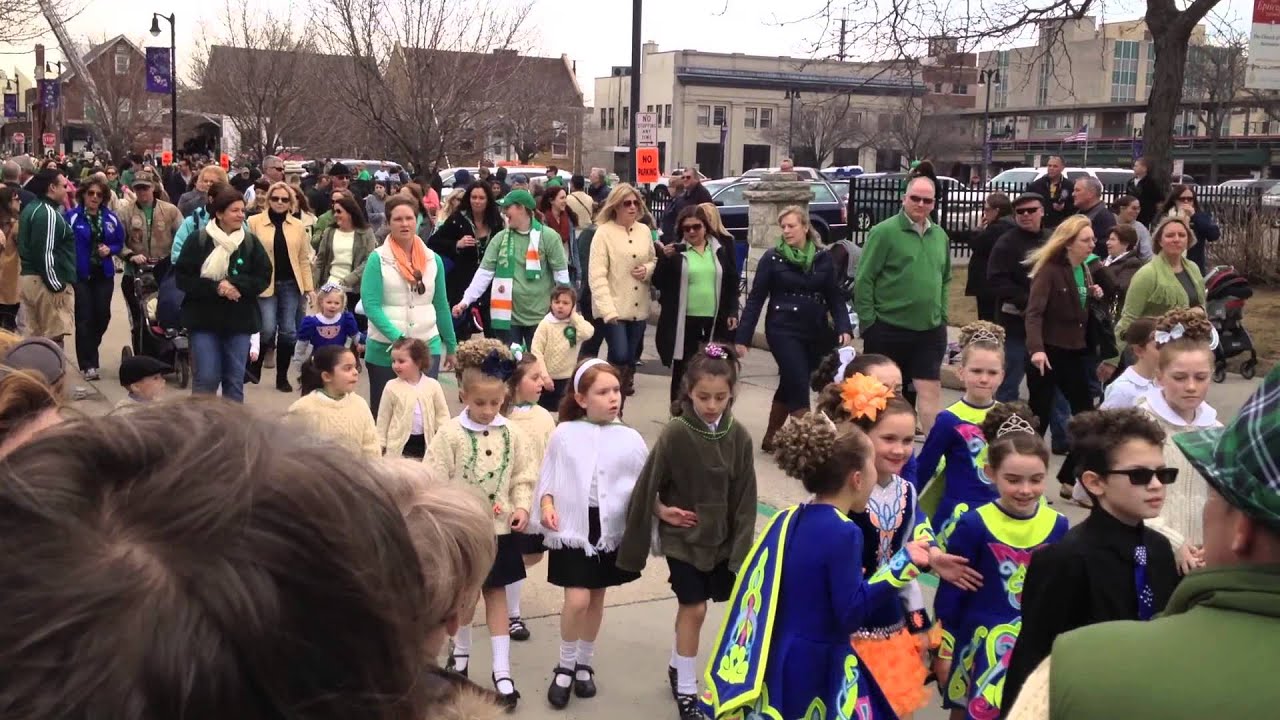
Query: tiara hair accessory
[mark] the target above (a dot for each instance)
(1015, 423)
(1174, 333)
(713, 350)
(982, 334)
(495, 365)
(864, 396)
(577, 377)
(518, 351)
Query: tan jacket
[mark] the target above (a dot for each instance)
(165, 221)
(582, 207)
(395, 413)
(615, 251)
(300, 252)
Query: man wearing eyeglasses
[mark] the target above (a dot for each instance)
(1007, 280)
(900, 294)
(693, 194)
(150, 226)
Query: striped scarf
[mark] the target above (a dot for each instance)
(502, 298)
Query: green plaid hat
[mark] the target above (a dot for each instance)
(1242, 460)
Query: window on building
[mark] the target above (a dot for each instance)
(718, 115)
(855, 119)
(1043, 122)
(1042, 87)
(766, 118)
(626, 117)
(122, 61)
(749, 117)
(1124, 71)
(704, 115)
(961, 89)
(611, 118)
(937, 87)
(667, 121)
(559, 139)
(648, 108)
(124, 108)
(1002, 86)
(603, 117)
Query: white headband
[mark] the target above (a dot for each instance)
(577, 377)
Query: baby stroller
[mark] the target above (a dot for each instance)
(1226, 292)
(159, 333)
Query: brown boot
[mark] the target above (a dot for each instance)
(628, 381)
(777, 416)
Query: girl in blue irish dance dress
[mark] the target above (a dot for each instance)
(783, 650)
(981, 627)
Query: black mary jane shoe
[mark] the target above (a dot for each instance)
(584, 688)
(506, 700)
(687, 706)
(559, 696)
(674, 678)
(517, 629)
(452, 664)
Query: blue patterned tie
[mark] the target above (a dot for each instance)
(1146, 598)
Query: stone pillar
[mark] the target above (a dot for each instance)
(773, 193)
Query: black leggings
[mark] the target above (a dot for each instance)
(1068, 372)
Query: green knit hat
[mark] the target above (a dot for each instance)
(518, 197)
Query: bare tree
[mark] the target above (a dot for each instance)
(904, 28)
(821, 127)
(422, 73)
(122, 107)
(1214, 80)
(537, 111)
(261, 70)
(917, 130)
(24, 20)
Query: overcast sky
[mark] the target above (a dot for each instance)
(595, 33)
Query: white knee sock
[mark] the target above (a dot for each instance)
(501, 645)
(513, 599)
(462, 648)
(568, 654)
(686, 677)
(586, 653)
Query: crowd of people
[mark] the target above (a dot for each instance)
(512, 284)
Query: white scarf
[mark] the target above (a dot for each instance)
(219, 261)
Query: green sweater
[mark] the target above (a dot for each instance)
(47, 245)
(1155, 290)
(1210, 655)
(371, 293)
(903, 276)
(531, 299)
(711, 474)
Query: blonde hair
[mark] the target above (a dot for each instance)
(293, 199)
(715, 226)
(451, 532)
(1057, 245)
(219, 175)
(799, 212)
(620, 192)
(327, 290)
(1155, 234)
(450, 204)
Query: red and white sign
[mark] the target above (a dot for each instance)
(49, 139)
(1264, 47)
(20, 138)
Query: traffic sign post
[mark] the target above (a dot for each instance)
(20, 138)
(647, 170)
(646, 129)
(48, 139)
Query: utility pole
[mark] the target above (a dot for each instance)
(844, 30)
(635, 83)
(989, 76)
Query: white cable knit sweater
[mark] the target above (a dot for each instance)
(1181, 518)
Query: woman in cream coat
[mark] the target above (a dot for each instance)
(619, 272)
(284, 238)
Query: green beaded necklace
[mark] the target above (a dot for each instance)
(704, 432)
(471, 477)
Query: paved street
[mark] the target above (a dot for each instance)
(636, 640)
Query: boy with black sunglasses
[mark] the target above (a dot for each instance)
(1111, 566)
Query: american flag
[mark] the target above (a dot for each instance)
(1080, 135)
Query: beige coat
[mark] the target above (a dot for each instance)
(9, 265)
(615, 251)
(300, 252)
(395, 414)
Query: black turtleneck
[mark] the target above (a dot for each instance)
(1084, 579)
(283, 263)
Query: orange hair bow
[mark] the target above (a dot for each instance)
(864, 396)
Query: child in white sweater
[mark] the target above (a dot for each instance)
(413, 405)
(556, 341)
(330, 407)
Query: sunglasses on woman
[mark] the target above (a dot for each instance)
(93, 194)
(1142, 476)
(280, 199)
(419, 287)
(630, 203)
(691, 228)
(1186, 198)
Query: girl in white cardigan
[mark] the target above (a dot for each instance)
(1177, 402)
(413, 405)
(591, 467)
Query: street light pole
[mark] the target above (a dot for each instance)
(989, 76)
(792, 96)
(173, 72)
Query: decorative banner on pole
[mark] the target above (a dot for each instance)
(10, 105)
(158, 65)
(49, 93)
(1263, 71)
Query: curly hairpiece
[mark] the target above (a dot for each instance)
(820, 452)
(473, 355)
(1183, 330)
(981, 335)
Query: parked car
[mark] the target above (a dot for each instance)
(804, 173)
(826, 211)
(1018, 178)
(873, 197)
(841, 172)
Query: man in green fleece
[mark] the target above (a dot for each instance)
(900, 295)
(47, 253)
(1213, 652)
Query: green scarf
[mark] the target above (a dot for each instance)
(801, 258)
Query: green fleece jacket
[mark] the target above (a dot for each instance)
(903, 276)
(1212, 654)
(1155, 290)
(47, 245)
(707, 472)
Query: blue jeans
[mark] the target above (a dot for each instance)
(517, 334)
(219, 359)
(280, 314)
(625, 337)
(1015, 366)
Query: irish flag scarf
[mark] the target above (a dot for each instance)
(501, 297)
